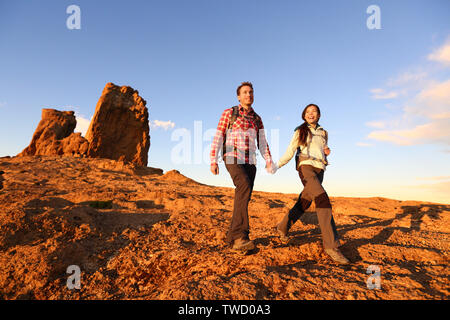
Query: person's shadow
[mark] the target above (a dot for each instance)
(416, 215)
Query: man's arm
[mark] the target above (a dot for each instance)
(217, 143)
(263, 146)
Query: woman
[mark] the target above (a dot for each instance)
(311, 140)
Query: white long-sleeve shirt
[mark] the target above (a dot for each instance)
(314, 148)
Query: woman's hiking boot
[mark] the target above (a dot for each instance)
(283, 227)
(337, 256)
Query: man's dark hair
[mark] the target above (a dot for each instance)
(243, 84)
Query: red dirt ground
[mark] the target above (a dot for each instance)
(162, 237)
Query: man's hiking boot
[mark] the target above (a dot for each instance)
(243, 245)
(337, 256)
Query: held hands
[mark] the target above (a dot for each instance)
(274, 168)
(271, 167)
(327, 151)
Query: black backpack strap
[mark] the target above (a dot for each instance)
(297, 155)
(234, 116)
(298, 149)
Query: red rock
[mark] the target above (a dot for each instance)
(119, 129)
(54, 136)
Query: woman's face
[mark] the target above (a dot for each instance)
(312, 115)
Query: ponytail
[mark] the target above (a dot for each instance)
(303, 134)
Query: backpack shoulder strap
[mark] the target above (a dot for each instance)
(259, 120)
(298, 149)
(234, 116)
(297, 154)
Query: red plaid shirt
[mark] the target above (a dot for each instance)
(240, 140)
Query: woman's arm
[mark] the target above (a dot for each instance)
(326, 150)
(291, 149)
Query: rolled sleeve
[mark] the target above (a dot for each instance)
(217, 143)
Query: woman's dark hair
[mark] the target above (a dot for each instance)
(304, 130)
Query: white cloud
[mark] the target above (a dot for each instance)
(364, 144)
(82, 124)
(425, 111)
(380, 94)
(433, 101)
(376, 124)
(441, 54)
(402, 85)
(161, 124)
(2, 104)
(439, 178)
(407, 78)
(426, 119)
(432, 132)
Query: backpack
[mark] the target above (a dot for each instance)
(234, 116)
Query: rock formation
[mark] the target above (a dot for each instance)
(119, 129)
(54, 135)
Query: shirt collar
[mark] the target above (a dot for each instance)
(249, 111)
(317, 127)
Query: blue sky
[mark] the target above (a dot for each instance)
(384, 93)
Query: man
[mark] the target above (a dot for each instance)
(236, 133)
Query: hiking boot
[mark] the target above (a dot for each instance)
(337, 256)
(283, 236)
(283, 227)
(243, 245)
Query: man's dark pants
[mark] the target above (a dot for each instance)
(243, 176)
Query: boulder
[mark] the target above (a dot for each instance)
(54, 136)
(119, 129)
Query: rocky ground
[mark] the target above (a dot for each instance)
(136, 233)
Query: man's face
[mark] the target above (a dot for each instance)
(246, 95)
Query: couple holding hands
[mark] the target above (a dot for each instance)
(236, 133)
